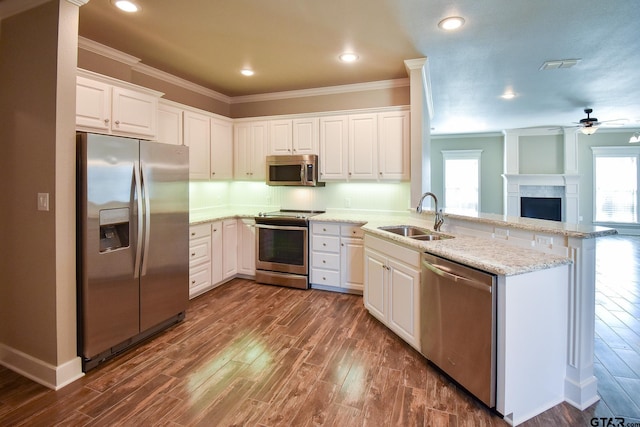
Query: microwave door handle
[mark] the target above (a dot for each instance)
(302, 177)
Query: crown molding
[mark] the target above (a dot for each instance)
(106, 51)
(186, 84)
(329, 90)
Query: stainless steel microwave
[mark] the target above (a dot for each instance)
(294, 170)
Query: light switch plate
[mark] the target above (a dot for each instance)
(43, 201)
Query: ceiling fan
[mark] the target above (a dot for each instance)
(589, 125)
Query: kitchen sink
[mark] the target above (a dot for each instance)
(416, 233)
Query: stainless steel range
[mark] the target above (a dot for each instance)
(282, 248)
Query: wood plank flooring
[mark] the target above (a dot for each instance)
(259, 355)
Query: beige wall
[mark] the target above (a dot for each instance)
(37, 134)
(313, 104)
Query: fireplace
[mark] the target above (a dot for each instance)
(541, 208)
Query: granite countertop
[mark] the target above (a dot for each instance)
(493, 255)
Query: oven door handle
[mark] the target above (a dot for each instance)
(280, 227)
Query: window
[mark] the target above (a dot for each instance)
(462, 179)
(615, 184)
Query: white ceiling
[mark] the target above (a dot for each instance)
(294, 44)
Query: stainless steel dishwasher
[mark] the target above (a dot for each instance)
(458, 327)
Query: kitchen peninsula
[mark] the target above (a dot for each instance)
(546, 271)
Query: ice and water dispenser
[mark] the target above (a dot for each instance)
(114, 229)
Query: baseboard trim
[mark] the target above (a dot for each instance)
(50, 376)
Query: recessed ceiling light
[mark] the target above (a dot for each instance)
(348, 57)
(508, 95)
(247, 72)
(126, 6)
(451, 23)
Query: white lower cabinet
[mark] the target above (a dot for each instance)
(337, 256)
(392, 287)
(199, 259)
(247, 247)
(229, 248)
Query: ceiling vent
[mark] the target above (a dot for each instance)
(559, 63)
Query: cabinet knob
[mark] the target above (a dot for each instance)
(117, 122)
(213, 173)
(106, 121)
(193, 254)
(349, 173)
(324, 244)
(193, 234)
(341, 244)
(215, 229)
(380, 173)
(324, 278)
(193, 282)
(324, 229)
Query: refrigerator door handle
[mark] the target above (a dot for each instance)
(147, 221)
(138, 195)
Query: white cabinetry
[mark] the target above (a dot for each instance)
(337, 257)
(294, 136)
(246, 247)
(169, 123)
(229, 248)
(250, 145)
(199, 259)
(392, 287)
(197, 135)
(111, 106)
(221, 149)
(394, 145)
(369, 147)
(217, 250)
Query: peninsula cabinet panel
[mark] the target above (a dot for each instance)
(197, 134)
(221, 149)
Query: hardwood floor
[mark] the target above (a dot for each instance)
(259, 355)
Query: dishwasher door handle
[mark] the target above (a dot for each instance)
(461, 279)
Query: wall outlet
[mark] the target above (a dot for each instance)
(347, 202)
(43, 201)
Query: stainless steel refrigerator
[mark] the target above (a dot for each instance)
(133, 228)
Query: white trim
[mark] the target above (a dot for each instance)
(106, 51)
(329, 90)
(53, 377)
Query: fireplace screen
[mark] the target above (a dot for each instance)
(541, 208)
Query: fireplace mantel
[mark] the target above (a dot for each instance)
(568, 182)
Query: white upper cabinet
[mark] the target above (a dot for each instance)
(197, 135)
(394, 145)
(110, 106)
(169, 123)
(221, 149)
(250, 147)
(363, 146)
(372, 147)
(293, 136)
(334, 134)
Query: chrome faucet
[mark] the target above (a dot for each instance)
(439, 218)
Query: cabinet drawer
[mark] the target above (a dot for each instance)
(200, 230)
(325, 228)
(199, 251)
(325, 277)
(325, 260)
(351, 230)
(200, 277)
(326, 243)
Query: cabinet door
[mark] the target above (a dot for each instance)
(221, 149)
(280, 137)
(247, 247)
(93, 104)
(197, 134)
(241, 151)
(374, 290)
(404, 294)
(394, 146)
(351, 263)
(217, 252)
(169, 124)
(363, 146)
(133, 113)
(334, 136)
(259, 141)
(305, 136)
(229, 248)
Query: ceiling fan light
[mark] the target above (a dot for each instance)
(589, 130)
